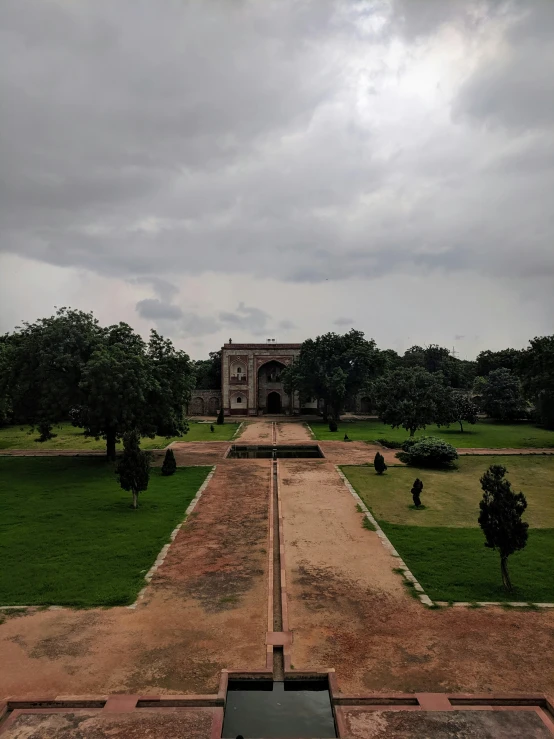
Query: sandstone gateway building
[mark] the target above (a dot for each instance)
(251, 383)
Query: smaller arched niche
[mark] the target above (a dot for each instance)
(238, 401)
(238, 371)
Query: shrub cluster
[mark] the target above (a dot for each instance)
(428, 451)
(391, 444)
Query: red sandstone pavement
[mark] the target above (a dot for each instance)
(349, 611)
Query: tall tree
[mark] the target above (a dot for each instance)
(408, 398)
(488, 361)
(208, 372)
(501, 396)
(456, 408)
(133, 469)
(537, 366)
(500, 517)
(333, 367)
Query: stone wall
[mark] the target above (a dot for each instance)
(205, 403)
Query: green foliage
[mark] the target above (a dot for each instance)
(500, 517)
(488, 361)
(409, 398)
(428, 451)
(333, 367)
(169, 465)
(106, 380)
(133, 468)
(501, 396)
(457, 373)
(537, 367)
(417, 489)
(456, 408)
(220, 417)
(333, 425)
(379, 463)
(207, 372)
(68, 536)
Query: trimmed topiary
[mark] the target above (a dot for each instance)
(428, 451)
(417, 489)
(220, 417)
(170, 465)
(379, 464)
(333, 425)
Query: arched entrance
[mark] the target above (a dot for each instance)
(365, 405)
(274, 402)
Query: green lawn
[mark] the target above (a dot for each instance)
(68, 535)
(443, 545)
(451, 497)
(484, 434)
(453, 564)
(70, 437)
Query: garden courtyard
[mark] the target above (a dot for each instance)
(77, 554)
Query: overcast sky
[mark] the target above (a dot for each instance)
(279, 168)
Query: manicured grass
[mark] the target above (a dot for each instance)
(452, 564)
(68, 535)
(70, 437)
(484, 434)
(451, 498)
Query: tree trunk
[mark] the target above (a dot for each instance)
(325, 412)
(412, 432)
(135, 500)
(110, 444)
(505, 575)
(461, 427)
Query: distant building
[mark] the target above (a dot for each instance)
(251, 384)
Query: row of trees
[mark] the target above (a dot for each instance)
(107, 380)
(425, 385)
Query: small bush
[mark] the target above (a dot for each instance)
(428, 451)
(333, 425)
(220, 417)
(379, 464)
(170, 465)
(390, 444)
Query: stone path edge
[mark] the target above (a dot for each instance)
(410, 578)
(157, 563)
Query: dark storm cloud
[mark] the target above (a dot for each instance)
(265, 139)
(156, 309)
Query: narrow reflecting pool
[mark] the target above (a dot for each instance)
(266, 451)
(288, 710)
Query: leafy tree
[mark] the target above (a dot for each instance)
(417, 489)
(457, 373)
(457, 408)
(133, 468)
(105, 379)
(333, 367)
(537, 367)
(501, 396)
(428, 451)
(408, 398)
(169, 465)
(208, 372)
(489, 361)
(379, 463)
(220, 417)
(500, 517)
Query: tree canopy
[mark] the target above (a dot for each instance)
(537, 367)
(501, 396)
(107, 380)
(409, 398)
(333, 367)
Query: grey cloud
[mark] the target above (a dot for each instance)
(248, 318)
(344, 322)
(286, 325)
(515, 90)
(157, 309)
(241, 139)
